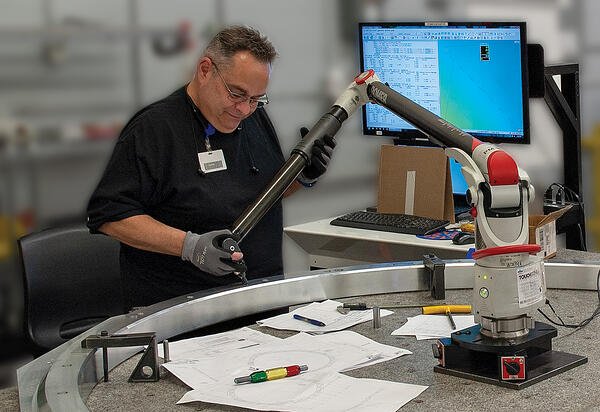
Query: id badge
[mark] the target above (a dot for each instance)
(212, 161)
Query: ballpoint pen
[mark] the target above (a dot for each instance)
(272, 374)
(308, 320)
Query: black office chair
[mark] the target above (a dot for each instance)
(71, 283)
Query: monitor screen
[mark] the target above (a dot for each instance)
(474, 75)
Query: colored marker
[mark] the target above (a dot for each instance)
(272, 374)
(308, 320)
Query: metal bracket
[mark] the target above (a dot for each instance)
(564, 103)
(434, 267)
(147, 369)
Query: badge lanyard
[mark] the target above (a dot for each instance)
(211, 160)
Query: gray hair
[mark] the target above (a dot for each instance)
(233, 39)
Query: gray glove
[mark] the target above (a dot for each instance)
(205, 252)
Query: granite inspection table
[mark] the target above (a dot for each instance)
(575, 389)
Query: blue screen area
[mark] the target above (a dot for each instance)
(472, 75)
(481, 97)
(459, 184)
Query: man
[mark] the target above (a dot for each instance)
(186, 167)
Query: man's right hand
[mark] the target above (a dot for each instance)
(205, 252)
(321, 152)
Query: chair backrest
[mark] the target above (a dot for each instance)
(71, 282)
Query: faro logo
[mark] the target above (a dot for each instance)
(380, 95)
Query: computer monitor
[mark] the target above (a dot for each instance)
(474, 75)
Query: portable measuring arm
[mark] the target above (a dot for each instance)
(499, 193)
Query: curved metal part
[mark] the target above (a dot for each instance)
(61, 379)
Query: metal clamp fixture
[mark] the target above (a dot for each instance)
(435, 271)
(147, 368)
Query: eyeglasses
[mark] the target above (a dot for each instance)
(237, 98)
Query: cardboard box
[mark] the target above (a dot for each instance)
(542, 231)
(415, 181)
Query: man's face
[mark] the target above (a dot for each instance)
(229, 94)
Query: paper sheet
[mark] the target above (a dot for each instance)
(338, 351)
(320, 388)
(326, 312)
(315, 392)
(433, 326)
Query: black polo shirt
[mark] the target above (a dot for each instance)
(154, 171)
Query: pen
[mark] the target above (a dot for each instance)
(451, 318)
(272, 374)
(308, 320)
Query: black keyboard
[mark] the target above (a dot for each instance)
(387, 222)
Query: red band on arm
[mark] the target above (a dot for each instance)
(502, 169)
